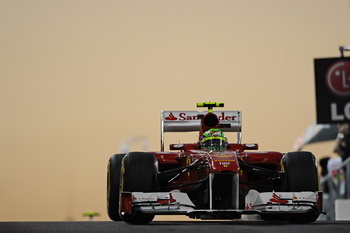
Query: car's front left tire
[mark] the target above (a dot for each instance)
(301, 175)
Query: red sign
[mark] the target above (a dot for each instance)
(338, 78)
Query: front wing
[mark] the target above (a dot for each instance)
(178, 203)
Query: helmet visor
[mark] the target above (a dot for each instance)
(215, 143)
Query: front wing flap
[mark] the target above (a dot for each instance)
(169, 203)
(282, 201)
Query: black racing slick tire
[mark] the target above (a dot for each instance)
(301, 171)
(139, 174)
(301, 175)
(113, 186)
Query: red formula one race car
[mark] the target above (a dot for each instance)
(211, 178)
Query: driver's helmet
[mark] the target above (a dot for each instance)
(213, 139)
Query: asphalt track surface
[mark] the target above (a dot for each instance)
(178, 226)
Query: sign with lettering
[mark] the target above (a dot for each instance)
(332, 79)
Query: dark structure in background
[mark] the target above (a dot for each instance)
(332, 82)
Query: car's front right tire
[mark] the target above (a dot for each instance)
(113, 186)
(139, 174)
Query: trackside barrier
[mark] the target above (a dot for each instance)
(338, 182)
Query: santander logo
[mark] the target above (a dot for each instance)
(183, 116)
(171, 117)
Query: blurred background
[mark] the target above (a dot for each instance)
(81, 80)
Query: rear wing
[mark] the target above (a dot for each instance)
(189, 121)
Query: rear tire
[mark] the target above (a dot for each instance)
(301, 175)
(139, 174)
(113, 186)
